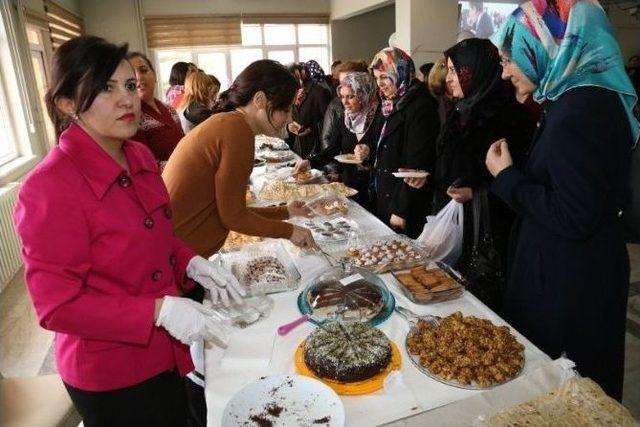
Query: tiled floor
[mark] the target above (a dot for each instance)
(25, 348)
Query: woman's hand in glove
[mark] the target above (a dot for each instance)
(215, 277)
(189, 321)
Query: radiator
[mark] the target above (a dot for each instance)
(10, 258)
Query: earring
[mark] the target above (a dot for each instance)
(74, 116)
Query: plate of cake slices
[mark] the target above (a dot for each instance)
(348, 296)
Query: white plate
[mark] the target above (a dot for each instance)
(281, 174)
(319, 226)
(315, 175)
(278, 156)
(342, 158)
(301, 401)
(410, 174)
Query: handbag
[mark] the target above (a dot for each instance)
(484, 267)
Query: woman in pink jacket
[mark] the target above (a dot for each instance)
(102, 263)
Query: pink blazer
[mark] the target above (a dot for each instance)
(99, 248)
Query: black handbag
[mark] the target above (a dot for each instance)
(484, 268)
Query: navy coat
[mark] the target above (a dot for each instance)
(569, 277)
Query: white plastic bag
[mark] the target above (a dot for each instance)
(441, 236)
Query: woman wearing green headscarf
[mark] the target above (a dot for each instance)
(569, 276)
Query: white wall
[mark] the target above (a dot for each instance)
(115, 20)
(342, 9)
(74, 6)
(425, 28)
(189, 7)
(362, 36)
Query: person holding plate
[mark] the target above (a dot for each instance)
(407, 141)
(357, 133)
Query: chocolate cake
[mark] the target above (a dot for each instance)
(347, 352)
(359, 300)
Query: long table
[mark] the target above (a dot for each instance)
(258, 350)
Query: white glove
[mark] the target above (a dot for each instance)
(189, 321)
(215, 277)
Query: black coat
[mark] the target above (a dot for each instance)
(330, 124)
(310, 114)
(568, 283)
(461, 157)
(408, 142)
(342, 141)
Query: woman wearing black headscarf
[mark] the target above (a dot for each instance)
(311, 102)
(485, 111)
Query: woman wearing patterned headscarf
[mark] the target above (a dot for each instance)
(358, 132)
(568, 284)
(311, 102)
(484, 111)
(407, 140)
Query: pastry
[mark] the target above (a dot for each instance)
(429, 284)
(468, 350)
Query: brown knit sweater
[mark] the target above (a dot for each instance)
(207, 177)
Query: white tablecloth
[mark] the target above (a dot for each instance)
(259, 351)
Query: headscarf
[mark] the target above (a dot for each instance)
(477, 65)
(399, 67)
(566, 44)
(364, 88)
(315, 71)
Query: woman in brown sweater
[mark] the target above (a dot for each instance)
(208, 172)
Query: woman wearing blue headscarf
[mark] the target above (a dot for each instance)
(569, 276)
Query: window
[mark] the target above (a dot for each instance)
(281, 42)
(14, 138)
(39, 63)
(277, 34)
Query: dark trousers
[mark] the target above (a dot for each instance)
(157, 402)
(197, 404)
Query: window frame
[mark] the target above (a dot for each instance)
(226, 49)
(16, 82)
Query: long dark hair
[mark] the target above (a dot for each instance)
(178, 73)
(265, 75)
(80, 69)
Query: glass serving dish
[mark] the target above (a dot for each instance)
(333, 230)
(384, 254)
(328, 203)
(264, 268)
(430, 282)
(346, 295)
